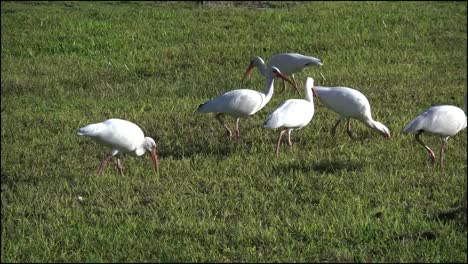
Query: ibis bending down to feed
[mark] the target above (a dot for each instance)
(287, 63)
(441, 120)
(349, 103)
(242, 102)
(292, 114)
(122, 137)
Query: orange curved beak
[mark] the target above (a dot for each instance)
(313, 92)
(387, 136)
(154, 157)
(282, 76)
(247, 72)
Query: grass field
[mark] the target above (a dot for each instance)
(68, 64)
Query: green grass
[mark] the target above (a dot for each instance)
(68, 64)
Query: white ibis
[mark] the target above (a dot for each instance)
(292, 114)
(122, 137)
(349, 103)
(441, 120)
(287, 63)
(242, 102)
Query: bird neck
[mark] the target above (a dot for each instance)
(269, 87)
(370, 123)
(308, 95)
(140, 151)
(376, 126)
(262, 68)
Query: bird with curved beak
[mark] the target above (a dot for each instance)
(349, 103)
(122, 137)
(292, 114)
(287, 63)
(242, 102)
(441, 120)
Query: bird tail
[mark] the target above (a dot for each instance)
(412, 126)
(200, 108)
(89, 130)
(269, 121)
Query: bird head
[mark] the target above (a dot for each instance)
(274, 72)
(383, 130)
(254, 62)
(150, 145)
(309, 84)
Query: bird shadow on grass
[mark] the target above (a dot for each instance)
(320, 166)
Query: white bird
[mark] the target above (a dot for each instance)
(441, 120)
(287, 63)
(349, 103)
(122, 137)
(242, 102)
(292, 114)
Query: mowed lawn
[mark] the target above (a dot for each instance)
(68, 64)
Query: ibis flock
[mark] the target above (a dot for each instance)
(122, 136)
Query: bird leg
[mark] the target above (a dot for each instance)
(104, 162)
(228, 131)
(429, 150)
(443, 148)
(348, 128)
(237, 129)
(279, 140)
(284, 86)
(295, 82)
(446, 144)
(333, 130)
(119, 167)
(289, 137)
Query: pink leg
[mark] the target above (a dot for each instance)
(237, 129)
(333, 130)
(295, 82)
(103, 163)
(228, 131)
(279, 140)
(284, 87)
(429, 150)
(289, 137)
(119, 167)
(348, 128)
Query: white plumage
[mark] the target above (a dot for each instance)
(122, 137)
(242, 102)
(349, 103)
(292, 114)
(441, 120)
(287, 63)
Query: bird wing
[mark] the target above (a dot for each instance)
(239, 102)
(345, 101)
(444, 120)
(118, 134)
(290, 63)
(291, 113)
